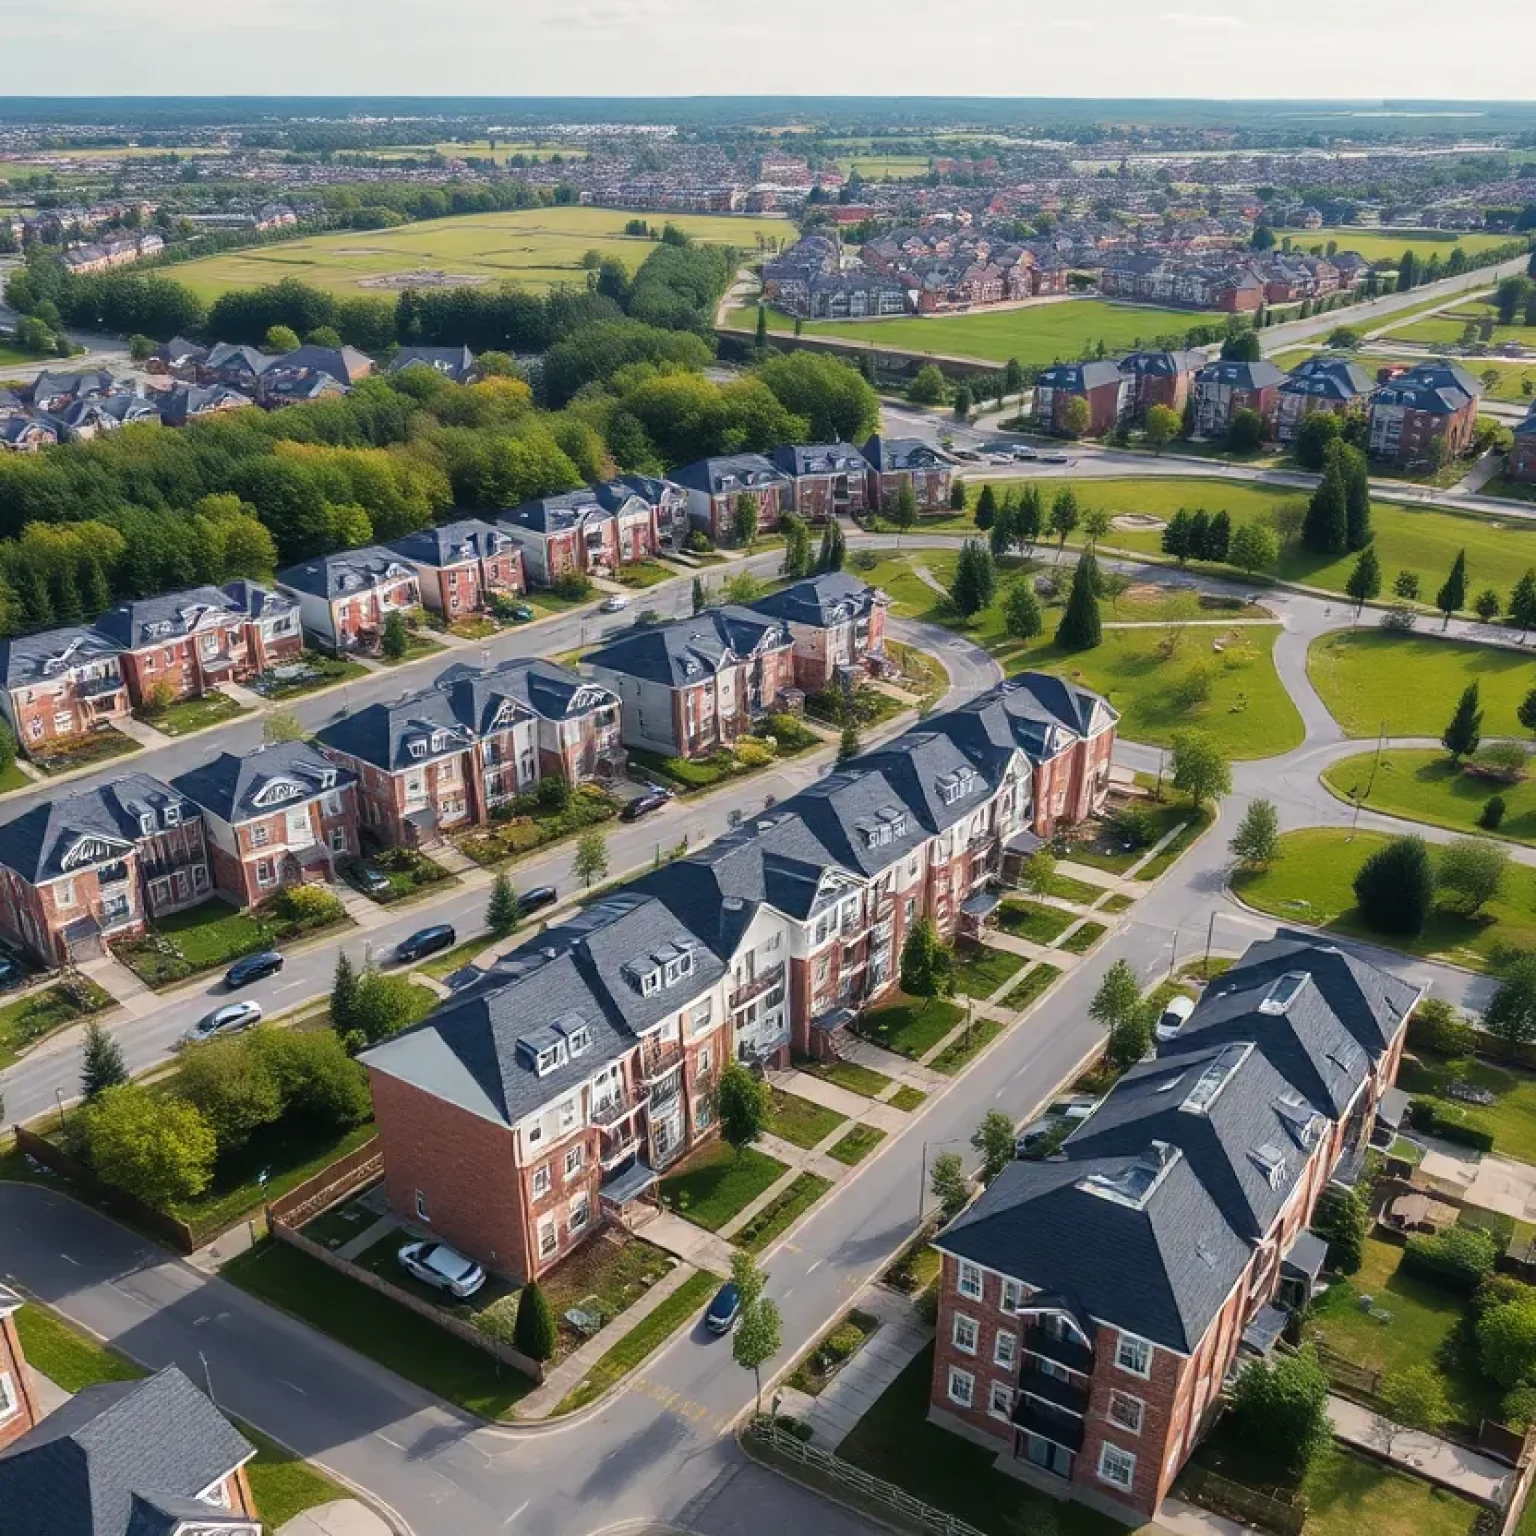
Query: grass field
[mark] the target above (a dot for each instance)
(538, 248)
(885, 167)
(1312, 882)
(1427, 786)
(1409, 684)
(1389, 244)
(1448, 325)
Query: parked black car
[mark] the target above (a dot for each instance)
(642, 805)
(426, 941)
(251, 968)
(531, 900)
(370, 881)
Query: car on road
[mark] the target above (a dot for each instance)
(1174, 1016)
(1054, 458)
(370, 881)
(724, 1309)
(228, 1020)
(1060, 1119)
(1021, 452)
(615, 602)
(535, 897)
(426, 941)
(251, 968)
(998, 456)
(442, 1267)
(521, 613)
(968, 454)
(12, 971)
(642, 805)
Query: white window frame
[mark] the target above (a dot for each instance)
(1110, 1455)
(969, 1282)
(549, 1239)
(1012, 1297)
(575, 1158)
(1128, 1343)
(10, 1398)
(1136, 1412)
(265, 873)
(540, 1183)
(579, 1213)
(1005, 1349)
(964, 1333)
(1000, 1400)
(961, 1388)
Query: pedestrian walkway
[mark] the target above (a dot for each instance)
(341, 1517)
(1428, 1456)
(137, 730)
(842, 1101)
(113, 976)
(865, 1053)
(365, 913)
(1027, 949)
(1189, 1520)
(693, 1245)
(243, 696)
(361, 1242)
(571, 1371)
(454, 859)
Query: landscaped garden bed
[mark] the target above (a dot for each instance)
(833, 1351)
(870, 707)
(782, 1212)
(28, 1020)
(602, 1279)
(184, 716)
(417, 645)
(534, 821)
(410, 874)
(716, 1183)
(308, 674)
(100, 746)
(777, 738)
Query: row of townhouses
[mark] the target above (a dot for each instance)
(543, 1099)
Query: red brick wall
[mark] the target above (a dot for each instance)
(1521, 463)
(990, 1319)
(43, 709)
(556, 1201)
(14, 1364)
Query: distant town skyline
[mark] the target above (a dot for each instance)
(1232, 49)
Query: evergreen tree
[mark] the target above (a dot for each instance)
(344, 996)
(762, 329)
(1357, 498)
(927, 962)
(1218, 538)
(1522, 603)
(1453, 595)
(1465, 729)
(1027, 524)
(698, 594)
(835, 546)
(535, 1332)
(102, 1064)
(1079, 629)
(1187, 421)
(975, 582)
(1406, 586)
(1004, 530)
(986, 508)
(1065, 516)
(902, 512)
(36, 604)
(1199, 534)
(97, 594)
(1176, 536)
(1326, 529)
(1365, 579)
(501, 912)
(1526, 713)
(65, 596)
(1021, 612)
(1395, 887)
(848, 746)
(395, 641)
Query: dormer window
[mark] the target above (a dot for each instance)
(579, 1041)
(147, 822)
(417, 747)
(649, 980)
(173, 815)
(327, 778)
(439, 740)
(550, 1058)
(677, 969)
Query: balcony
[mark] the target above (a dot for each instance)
(1067, 1352)
(1065, 1395)
(1035, 1418)
(618, 1142)
(659, 1057)
(763, 982)
(608, 1111)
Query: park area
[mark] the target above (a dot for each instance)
(1423, 784)
(1389, 244)
(538, 248)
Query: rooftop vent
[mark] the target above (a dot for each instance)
(1214, 1078)
(1271, 1163)
(1284, 992)
(1133, 1186)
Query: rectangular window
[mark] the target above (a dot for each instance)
(969, 1283)
(1134, 1355)
(64, 893)
(421, 1205)
(1116, 1467)
(10, 1402)
(580, 1214)
(1013, 1296)
(1000, 1405)
(1126, 1411)
(547, 1239)
(260, 835)
(1005, 1348)
(573, 1160)
(964, 1333)
(541, 1181)
(567, 1115)
(338, 840)
(962, 1386)
(264, 874)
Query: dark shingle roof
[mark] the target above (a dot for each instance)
(1439, 388)
(735, 472)
(887, 454)
(1239, 375)
(38, 841)
(29, 659)
(1079, 377)
(352, 570)
(451, 543)
(819, 600)
(170, 616)
(555, 514)
(345, 364)
(691, 649)
(454, 362)
(1328, 378)
(819, 459)
(236, 787)
(1162, 365)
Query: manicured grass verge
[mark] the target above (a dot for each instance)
(1311, 882)
(188, 715)
(1348, 1494)
(417, 645)
(910, 1027)
(1081, 940)
(647, 1335)
(1425, 785)
(715, 1183)
(450, 960)
(373, 1325)
(980, 971)
(31, 1019)
(857, 1144)
(1116, 903)
(849, 1075)
(1510, 1119)
(1033, 921)
(960, 1053)
(1065, 888)
(907, 1098)
(1038, 979)
(1193, 829)
(284, 1484)
(782, 1212)
(1409, 684)
(801, 1122)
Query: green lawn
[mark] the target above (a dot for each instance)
(1033, 920)
(715, 1183)
(1427, 1327)
(1082, 939)
(1409, 684)
(1109, 853)
(410, 874)
(1117, 903)
(188, 715)
(782, 1212)
(1349, 1495)
(857, 1144)
(966, 1047)
(1312, 883)
(605, 1277)
(849, 1075)
(451, 960)
(1511, 1118)
(801, 1122)
(1424, 785)
(646, 1336)
(320, 671)
(1194, 826)
(912, 1026)
(28, 1020)
(1389, 244)
(1065, 888)
(284, 1484)
(906, 1098)
(1034, 983)
(417, 645)
(373, 1325)
(980, 970)
(11, 777)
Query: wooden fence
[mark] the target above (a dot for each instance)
(768, 1433)
(1213, 1491)
(466, 1332)
(334, 1182)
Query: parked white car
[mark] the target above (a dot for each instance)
(616, 603)
(1174, 1016)
(228, 1020)
(445, 1268)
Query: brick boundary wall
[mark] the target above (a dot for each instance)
(334, 1182)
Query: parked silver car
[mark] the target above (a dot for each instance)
(228, 1020)
(445, 1268)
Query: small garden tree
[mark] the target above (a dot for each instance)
(986, 508)
(1413, 1398)
(975, 582)
(1472, 872)
(1257, 839)
(1253, 548)
(1506, 1340)
(535, 1332)
(282, 725)
(1522, 603)
(1162, 427)
(591, 861)
(744, 521)
(395, 641)
(1080, 628)
(344, 996)
(1452, 596)
(927, 962)
(1039, 872)
(1406, 586)
(1065, 516)
(993, 1140)
(1486, 605)
(1245, 431)
(948, 1183)
(1364, 582)
(1395, 887)
(1343, 1220)
(1022, 617)
(1283, 1405)
(901, 513)
(101, 1061)
(501, 911)
(1199, 768)
(743, 1103)
(848, 745)
(757, 1339)
(1464, 730)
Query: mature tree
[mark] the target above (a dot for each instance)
(848, 744)
(1407, 272)
(834, 399)
(975, 581)
(535, 1332)
(1199, 533)
(743, 1103)
(1326, 530)
(1003, 533)
(101, 1061)
(986, 508)
(799, 560)
(1177, 536)
(1080, 629)
(281, 338)
(1245, 432)
(1318, 432)
(1065, 516)
(1357, 497)
(1076, 417)
(1365, 579)
(155, 1146)
(1472, 871)
(1282, 1404)
(993, 1139)
(962, 402)
(383, 1005)
(282, 725)
(1406, 586)
(1162, 427)
(928, 386)
(1130, 1040)
(1453, 595)
(927, 962)
(1095, 526)
(1029, 520)
(344, 996)
(1465, 729)
(320, 1086)
(1253, 548)
(1218, 536)
(395, 640)
(1395, 887)
(744, 520)
(1199, 768)
(501, 911)
(949, 1185)
(756, 1340)
(1511, 1012)
(901, 514)
(743, 588)
(1343, 1221)
(591, 861)
(1257, 839)
(1118, 996)
(1522, 603)
(1506, 1340)
(1242, 347)
(1022, 617)
(1526, 711)
(232, 1088)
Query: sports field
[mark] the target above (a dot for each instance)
(885, 167)
(1389, 244)
(537, 247)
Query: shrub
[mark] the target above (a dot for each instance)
(316, 1080)
(1506, 1341)
(1398, 618)
(1395, 887)
(232, 1087)
(572, 586)
(1519, 1406)
(1426, 1115)
(1496, 1291)
(1436, 1026)
(1342, 1221)
(159, 1149)
(1460, 1256)
(1135, 825)
(553, 793)
(535, 1333)
(308, 906)
(698, 542)
(1283, 1406)
(753, 754)
(158, 698)
(1492, 813)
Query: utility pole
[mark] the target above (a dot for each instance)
(1173, 954)
(1381, 741)
(1210, 934)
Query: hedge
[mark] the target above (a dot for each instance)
(1425, 1115)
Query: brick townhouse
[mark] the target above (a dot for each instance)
(1424, 416)
(461, 565)
(95, 865)
(192, 641)
(1520, 463)
(1093, 1305)
(833, 621)
(690, 687)
(542, 1101)
(1225, 387)
(152, 1457)
(898, 461)
(456, 363)
(647, 507)
(1100, 385)
(61, 684)
(1158, 378)
(1334, 384)
(279, 816)
(345, 599)
(829, 479)
(715, 487)
(587, 532)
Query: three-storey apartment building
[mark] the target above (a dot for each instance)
(1334, 384)
(1225, 387)
(1424, 416)
(345, 599)
(461, 565)
(833, 620)
(60, 685)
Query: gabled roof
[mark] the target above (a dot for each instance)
(735, 472)
(692, 649)
(170, 616)
(820, 600)
(345, 364)
(889, 454)
(350, 570)
(188, 401)
(179, 350)
(121, 1459)
(555, 514)
(239, 787)
(228, 356)
(454, 362)
(1440, 388)
(455, 543)
(1162, 365)
(1240, 375)
(400, 733)
(819, 459)
(40, 657)
(1079, 377)
(614, 493)
(551, 691)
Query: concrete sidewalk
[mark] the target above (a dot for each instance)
(1438, 1461)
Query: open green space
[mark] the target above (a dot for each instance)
(28, 1020)
(1425, 785)
(1389, 244)
(188, 715)
(1510, 1119)
(782, 1212)
(1035, 981)
(849, 1075)
(1312, 882)
(369, 1322)
(451, 960)
(800, 1122)
(1349, 1494)
(886, 167)
(857, 1144)
(537, 248)
(980, 970)
(911, 1026)
(716, 1182)
(966, 1047)
(1408, 685)
(1033, 920)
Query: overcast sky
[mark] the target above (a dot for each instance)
(1224, 48)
